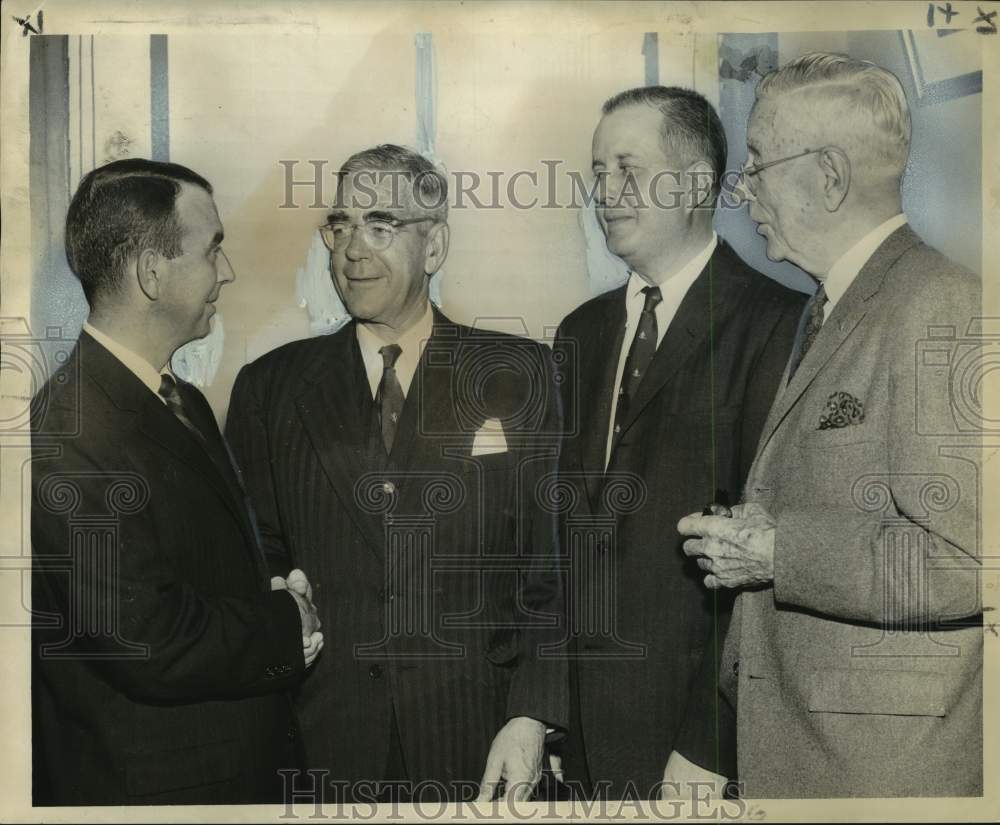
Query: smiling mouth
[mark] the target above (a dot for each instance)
(611, 220)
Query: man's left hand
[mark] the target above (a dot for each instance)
(684, 780)
(734, 552)
(515, 758)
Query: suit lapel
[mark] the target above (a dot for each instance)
(690, 326)
(158, 424)
(429, 397)
(336, 410)
(596, 382)
(202, 417)
(843, 321)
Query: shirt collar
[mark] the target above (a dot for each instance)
(680, 281)
(136, 364)
(848, 265)
(411, 342)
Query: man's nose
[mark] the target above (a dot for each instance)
(225, 273)
(611, 188)
(357, 249)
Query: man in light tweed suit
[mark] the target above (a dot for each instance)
(854, 656)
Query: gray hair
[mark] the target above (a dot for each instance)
(861, 86)
(430, 187)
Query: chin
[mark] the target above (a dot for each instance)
(774, 250)
(622, 250)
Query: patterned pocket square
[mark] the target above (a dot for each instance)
(842, 410)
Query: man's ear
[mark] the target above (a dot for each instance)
(147, 275)
(436, 248)
(699, 177)
(836, 168)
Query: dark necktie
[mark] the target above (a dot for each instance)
(811, 328)
(640, 356)
(170, 393)
(390, 395)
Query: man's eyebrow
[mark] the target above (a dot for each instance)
(752, 147)
(336, 215)
(217, 238)
(380, 215)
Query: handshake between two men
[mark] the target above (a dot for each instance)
(298, 586)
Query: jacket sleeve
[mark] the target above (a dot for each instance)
(540, 684)
(902, 548)
(247, 435)
(122, 605)
(707, 737)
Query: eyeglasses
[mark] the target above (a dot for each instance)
(378, 233)
(747, 173)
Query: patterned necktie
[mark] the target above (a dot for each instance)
(811, 328)
(640, 356)
(170, 393)
(390, 395)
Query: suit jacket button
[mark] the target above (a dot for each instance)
(736, 668)
(375, 672)
(291, 734)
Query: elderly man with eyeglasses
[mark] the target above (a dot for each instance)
(401, 456)
(854, 655)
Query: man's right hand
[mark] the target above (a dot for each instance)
(311, 646)
(298, 587)
(307, 612)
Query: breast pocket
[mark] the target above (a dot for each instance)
(838, 437)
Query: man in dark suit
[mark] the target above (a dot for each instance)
(162, 655)
(666, 384)
(855, 654)
(398, 460)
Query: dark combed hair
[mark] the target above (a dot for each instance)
(430, 187)
(691, 125)
(119, 210)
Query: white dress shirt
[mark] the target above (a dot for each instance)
(136, 364)
(673, 288)
(848, 265)
(411, 344)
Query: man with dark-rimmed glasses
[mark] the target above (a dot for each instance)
(400, 455)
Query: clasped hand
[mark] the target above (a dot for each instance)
(734, 552)
(298, 586)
